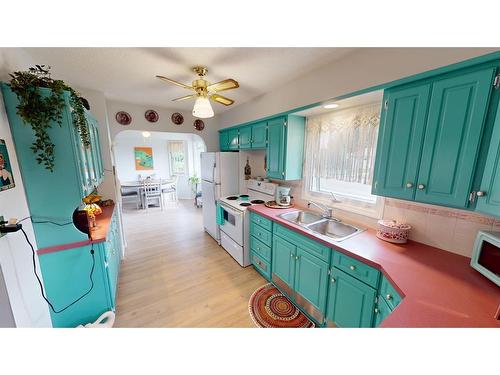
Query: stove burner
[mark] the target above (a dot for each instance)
(244, 196)
(245, 204)
(232, 198)
(257, 201)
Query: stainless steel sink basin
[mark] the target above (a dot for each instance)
(301, 217)
(333, 229)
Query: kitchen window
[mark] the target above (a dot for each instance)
(177, 156)
(340, 155)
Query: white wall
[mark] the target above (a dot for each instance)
(209, 135)
(28, 307)
(125, 164)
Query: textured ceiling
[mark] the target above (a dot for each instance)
(128, 74)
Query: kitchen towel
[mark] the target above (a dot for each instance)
(220, 214)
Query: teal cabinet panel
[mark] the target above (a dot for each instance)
(262, 234)
(224, 140)
(381, 311)
(260, 248)
(356, 268)
(261, 265)
(283, 261)
(259, 135)
(294, 147)
(245, 140)
(66, 277)
(233, 137)
(276, 148)
(311, 279)
(488, 201)
(389, 294)
(261, 221)
(457, 113)
(351, 302)
(313, 247)
(400, 141)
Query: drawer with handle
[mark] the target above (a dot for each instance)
(262, 221)
(260, 249)
(261, 265)
(389, 293)
(262, 234)
(357, 269)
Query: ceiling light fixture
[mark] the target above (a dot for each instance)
(146, 134)
(331, 106)
(202, 108)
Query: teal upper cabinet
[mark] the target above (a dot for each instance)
(245, 137)
(77, 170)
(431, 138)
(351, 303)
(224, 140)
(259, 135)
(488, 196)
(233, 139)
(457, 114)
(400, 141)
(285, 147)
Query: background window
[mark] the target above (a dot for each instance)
(177, 156)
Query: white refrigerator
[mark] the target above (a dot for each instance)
(219, 178)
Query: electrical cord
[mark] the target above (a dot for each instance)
(45, 222)
(40, 282)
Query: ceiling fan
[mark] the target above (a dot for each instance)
(204, 92)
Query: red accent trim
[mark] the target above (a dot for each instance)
(53, 249)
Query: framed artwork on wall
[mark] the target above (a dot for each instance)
(6, 179)
(143, 158)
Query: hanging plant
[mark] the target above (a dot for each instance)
(39, 111)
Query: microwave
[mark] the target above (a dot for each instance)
(486, 255)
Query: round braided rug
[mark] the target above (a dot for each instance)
(269, 308)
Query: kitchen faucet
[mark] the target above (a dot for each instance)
(328, 211)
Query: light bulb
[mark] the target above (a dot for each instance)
(330, 106)
(202, 108)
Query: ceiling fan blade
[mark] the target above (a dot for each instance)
(184, 97)
(221, 99)
(175, 82)
(227, 84)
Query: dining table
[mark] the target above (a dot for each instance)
(139, 186)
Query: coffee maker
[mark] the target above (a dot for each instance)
(283, 196)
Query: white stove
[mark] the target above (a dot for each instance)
(235, 236)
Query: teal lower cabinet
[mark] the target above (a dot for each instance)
(67, 277)
(381, 311)
(283, 269)
(262, 266)
(351, 302)
(260, 244)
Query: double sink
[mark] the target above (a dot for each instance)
(331, 228)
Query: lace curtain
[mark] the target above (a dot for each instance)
(341, 144)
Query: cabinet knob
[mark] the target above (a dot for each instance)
(352, 268)
(297, 258)
(333, 280)
(481, 193)
(376, 310)
(421, 186)
(291, 255)
(388, 297)
(409, 185)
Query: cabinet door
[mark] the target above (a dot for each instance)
(350, 302)
(259, 135)
(245, 137)
(489, 202)
(457, 113)
(400, 141)
(233, 139)
(311, 279)
(276, 148)
(284, 260)
(224, 141)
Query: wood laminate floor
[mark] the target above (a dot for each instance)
(175, 275)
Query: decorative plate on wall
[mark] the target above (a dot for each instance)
(199, 125)
(151, 115)
(123, 118)
(177, 118)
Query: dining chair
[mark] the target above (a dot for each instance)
(152, 193)
(130, 195)
(171, 188)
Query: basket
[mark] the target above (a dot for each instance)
(392, 231)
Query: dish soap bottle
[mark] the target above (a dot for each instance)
(248, 171)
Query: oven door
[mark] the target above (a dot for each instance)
(233, 223)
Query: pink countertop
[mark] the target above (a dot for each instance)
(440, 289)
